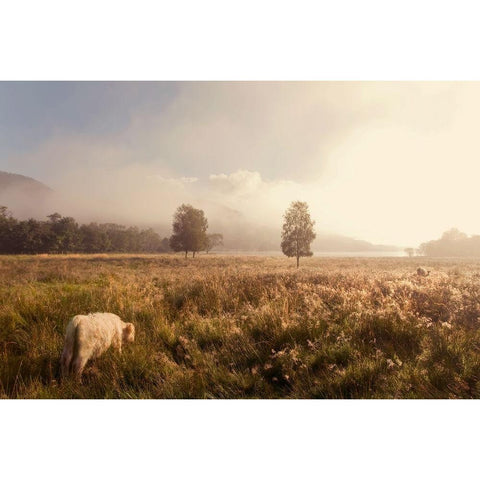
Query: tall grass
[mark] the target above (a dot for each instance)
(231, 327)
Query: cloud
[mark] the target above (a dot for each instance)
(263, 201)
(384, 161)
(241, 182)
(173, 181)
(280, 129)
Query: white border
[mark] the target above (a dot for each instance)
(238, 439)
(248, 40)
(146, 40)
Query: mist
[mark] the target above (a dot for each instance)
(387, 162)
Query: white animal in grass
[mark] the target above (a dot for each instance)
(421, 272)
(89, 336)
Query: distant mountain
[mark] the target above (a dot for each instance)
(20, 182)
(326, 242)
(239, 234)
(23, 196)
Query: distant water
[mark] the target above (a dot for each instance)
(393, 253)
(278, 253)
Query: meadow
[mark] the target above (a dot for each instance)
(246, 327)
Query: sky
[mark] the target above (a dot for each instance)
(388, 162)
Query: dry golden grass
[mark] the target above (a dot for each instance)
(245, 327)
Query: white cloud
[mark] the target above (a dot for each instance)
(260, 200)
(386, 162)
(241, 182)
(180, 181)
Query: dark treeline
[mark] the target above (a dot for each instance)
(453, 243)
(64, 235)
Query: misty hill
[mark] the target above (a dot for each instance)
(239, 234)
(328, 242)
(24, 196)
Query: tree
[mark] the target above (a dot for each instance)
(165, 245)
(213, 240)
(54, 217)
(8, 226)
(64, 234)
(4, 213)
(453, 243)
(93, 238)
(409, 251)
(67, 233)
(297, 233)
(32, 236)
(189, 230)
(149, 241)
(454, 235)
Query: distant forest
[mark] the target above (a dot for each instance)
(453, 243)
(64, 235)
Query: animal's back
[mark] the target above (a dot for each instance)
(88, 336)
(422, 272)
(95, 332)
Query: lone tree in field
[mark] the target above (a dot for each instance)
(189, 230)
(297, 233)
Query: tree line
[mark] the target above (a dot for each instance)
(64, 235)
(453, 243)
(60, 234)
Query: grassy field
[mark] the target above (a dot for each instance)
(246, 327)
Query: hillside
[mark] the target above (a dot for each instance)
(23, 195)
(329, 242)
(13, 181)
(243, 235)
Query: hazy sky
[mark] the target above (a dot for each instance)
(394, 163)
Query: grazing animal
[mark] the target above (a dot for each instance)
(421, 272)
(89, 336)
